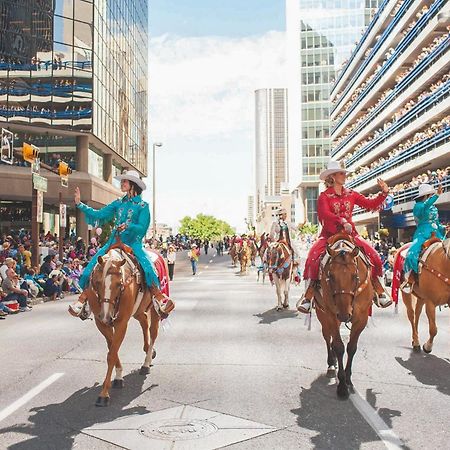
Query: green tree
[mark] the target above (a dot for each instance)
(205, 227)
(308, 228)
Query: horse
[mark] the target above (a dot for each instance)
(253, 252)
(345, 296)
(264, 244)
(279, 260)
(244, 257)
(234, 254)
(114, 296)
(431, 290)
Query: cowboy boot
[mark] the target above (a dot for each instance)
(407, 285)
(76, 308)
(163, 304)
(304, 304)
(381, 297)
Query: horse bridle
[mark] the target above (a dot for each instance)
(276, 267)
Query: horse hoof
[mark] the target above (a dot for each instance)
(425, 349)
(279, 308)
(154, 354)
(102, 401)
(342, 391)
(286, 306)
(331, 372)
(117, 384)
(416, 348)
(144, 370)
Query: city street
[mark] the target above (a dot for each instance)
(230, 371)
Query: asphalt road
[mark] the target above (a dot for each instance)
(226, 352)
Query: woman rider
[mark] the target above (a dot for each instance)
(131, 217)
(426, 216)
(334, 210)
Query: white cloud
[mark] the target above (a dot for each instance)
(204, 86)
(202, 109)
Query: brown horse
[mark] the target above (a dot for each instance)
(431, 290)
(234, 254)
(114, 297)
(279, 259)
(253, 252)
(245, 255)
(345, 296)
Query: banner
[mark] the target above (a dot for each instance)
(7, 142)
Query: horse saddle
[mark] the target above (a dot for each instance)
(433, 239)
(131, 259)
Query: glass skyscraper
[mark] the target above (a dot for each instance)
(321, 36)
(73, 81)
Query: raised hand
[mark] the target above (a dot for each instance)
(77, 195)
(440, 189)
(383, 186)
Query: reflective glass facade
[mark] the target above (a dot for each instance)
(77, 65)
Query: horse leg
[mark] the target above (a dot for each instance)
(431, 314)
(357, 328)
(120, 329)
(151, 353)
(408, 302)
(331, 357)
(339, 350)
(417, 313)
(278, 288)
(286, 294)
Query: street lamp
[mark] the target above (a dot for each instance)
(155, 144)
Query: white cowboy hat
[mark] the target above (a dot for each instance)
(333, 167)
(425, 189)
(132, 175)
(281, 211)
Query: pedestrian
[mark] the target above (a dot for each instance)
(171, 258)
(194, 254)
(206, 245)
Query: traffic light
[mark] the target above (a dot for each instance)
(30, 152)
(63, 169)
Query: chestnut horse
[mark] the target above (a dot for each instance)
(345, 295)
(431, 290)
(114, 297)
(245, 255)
(234, 254)
(279, 259)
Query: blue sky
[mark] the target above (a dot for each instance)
(206, 59)
(232, 18)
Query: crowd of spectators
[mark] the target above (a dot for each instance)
(427, 50)
(395, 117)
(431, 176)
(428, 132)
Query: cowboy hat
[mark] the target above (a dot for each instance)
(132, 175)
(332, 167)
(281, 211)
(425, 189)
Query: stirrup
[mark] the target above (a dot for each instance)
(304, 305)
(406, 287)
(75, 308)
(382, 301)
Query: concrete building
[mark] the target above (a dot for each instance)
(391, 110)
(271, 149)
(251, 210)
(73, 82)
(320, 36)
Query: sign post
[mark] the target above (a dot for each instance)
(62, 225)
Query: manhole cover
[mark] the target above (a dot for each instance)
(178, 429)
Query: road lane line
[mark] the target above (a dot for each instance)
(4, 413)
(386, 434)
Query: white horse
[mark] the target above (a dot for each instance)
(280, 270)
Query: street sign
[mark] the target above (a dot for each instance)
(7, 143)
(39, 183)
(40, 206)
(388, 203)
(36, 166)
(65, 181)
(62, 215)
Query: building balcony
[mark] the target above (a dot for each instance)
(410, 47)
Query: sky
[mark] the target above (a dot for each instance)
(206, 59)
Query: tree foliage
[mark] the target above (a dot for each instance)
(308, 228)
(205, 227)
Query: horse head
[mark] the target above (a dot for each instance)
(341, 274)
(110, 287)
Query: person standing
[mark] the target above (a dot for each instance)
(194, 256)
(171, 258)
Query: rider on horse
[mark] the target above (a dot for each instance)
(282, 230)
(426, 216)
(131, 216)
(334, 210)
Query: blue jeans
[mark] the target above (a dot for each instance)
(194, 266)
(20, 298)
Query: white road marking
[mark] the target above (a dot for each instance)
(210, 261)
(389, 438)
(4, 413)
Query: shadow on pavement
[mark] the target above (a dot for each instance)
(57, 425)
(338, 424)
(428, 369)
(272, 315)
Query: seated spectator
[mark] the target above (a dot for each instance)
(46, 266)
(52, 289)
(9, 263)
(12, 290)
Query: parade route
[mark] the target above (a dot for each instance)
(230, 371)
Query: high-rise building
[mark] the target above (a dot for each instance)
(271, 147)
(391, 112)
(73, 82)
(251, 210)
(320, 37)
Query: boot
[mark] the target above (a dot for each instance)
(407, 285)
(76, 308)
(163, 304)
(381, 297)
(304, 304)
